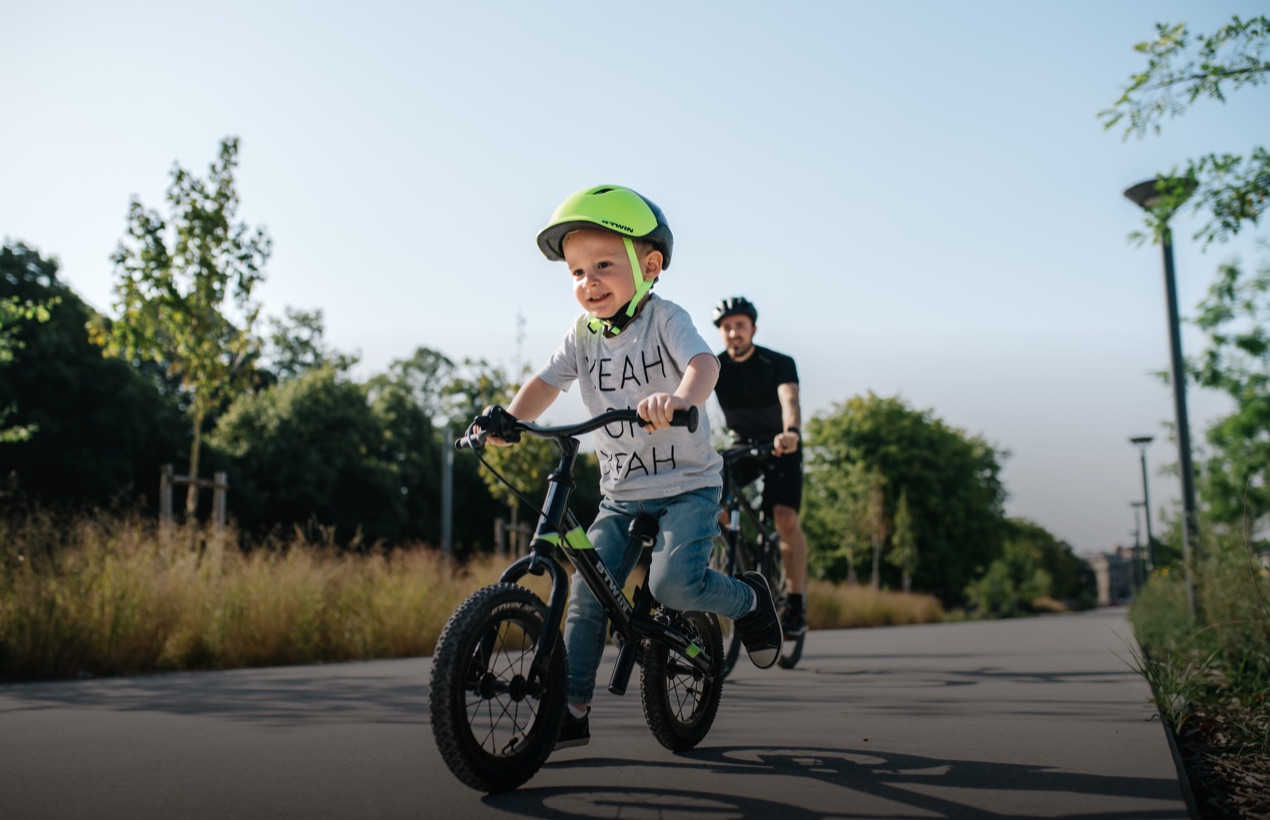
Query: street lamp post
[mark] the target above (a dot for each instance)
(1142, 442)
(1148, 196)
(1138, 573)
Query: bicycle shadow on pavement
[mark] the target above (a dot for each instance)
(912, 785)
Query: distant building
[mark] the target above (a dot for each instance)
(1113, 575)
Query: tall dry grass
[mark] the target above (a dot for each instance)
(102, 595)
(98, 595)
(846, 606)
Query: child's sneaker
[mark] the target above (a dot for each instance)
(574, 731)
(761, 628)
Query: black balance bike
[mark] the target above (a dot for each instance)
(498, 686)
(750, 542)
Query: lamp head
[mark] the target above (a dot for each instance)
(1172, 191)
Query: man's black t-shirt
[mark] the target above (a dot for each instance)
(747, 392)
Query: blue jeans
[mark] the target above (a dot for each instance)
(679, 577)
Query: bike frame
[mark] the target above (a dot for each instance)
(558, 527)
(734, 502)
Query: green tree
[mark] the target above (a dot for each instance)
(836, 521)
(904, 554)
(310, 450)
(13, 312)
(184, 292)
(97, 429)
(429, 377)
(1235, 318)
(1183, 68)
(1069, 576)
(297, 344)
(1232, 190)
(952, 481)
(1011, 585)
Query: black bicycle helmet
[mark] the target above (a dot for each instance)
(735, 306)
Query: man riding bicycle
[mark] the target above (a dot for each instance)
(758, 392)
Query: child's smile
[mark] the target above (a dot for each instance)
(601, 269)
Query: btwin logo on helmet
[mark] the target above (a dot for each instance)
(619, 226)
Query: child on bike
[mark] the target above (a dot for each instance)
(633, 349)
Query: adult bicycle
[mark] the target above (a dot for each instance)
(499, 687)
(749, 541)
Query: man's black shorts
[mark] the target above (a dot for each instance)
(782, 478)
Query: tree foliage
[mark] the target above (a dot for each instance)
(96, 428)
(1235, 318)
(905, 555)
(13, 313)
(310, 451)
(296, 344)
(951, 481)
(184, 291)
(1183, 68)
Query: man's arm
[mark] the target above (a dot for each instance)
(791, 418)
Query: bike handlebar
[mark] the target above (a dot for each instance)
(749, 449)
(497, 420)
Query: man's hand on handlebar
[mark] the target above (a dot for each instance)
(786, 442)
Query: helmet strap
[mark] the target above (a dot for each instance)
(614, 325)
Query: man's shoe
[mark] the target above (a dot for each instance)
(794, 623)
(761, 629)
(574, 731)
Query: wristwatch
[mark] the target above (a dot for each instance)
(795, 431)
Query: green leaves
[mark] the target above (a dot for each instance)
(1182, 69)
(950, 481)
(1235, 317)
(1178, 75)
(184, 295)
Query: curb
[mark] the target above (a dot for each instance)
(1184, 779)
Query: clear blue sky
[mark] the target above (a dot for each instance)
(917, 195)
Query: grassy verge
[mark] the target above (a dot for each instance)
(1211, 677)
(99, 595)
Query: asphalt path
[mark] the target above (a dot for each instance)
(1039, 717)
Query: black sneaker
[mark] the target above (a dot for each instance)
(761, 629)
(574, 731)
(793, 622)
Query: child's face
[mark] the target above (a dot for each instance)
(601, 271)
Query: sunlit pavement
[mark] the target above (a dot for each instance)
(1039, 717)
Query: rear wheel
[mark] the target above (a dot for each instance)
(493, 727)
(774, 570)
(680, 703)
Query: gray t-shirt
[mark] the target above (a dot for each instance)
(649, 356)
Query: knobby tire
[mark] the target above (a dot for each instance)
(680, 703)
(493, 731)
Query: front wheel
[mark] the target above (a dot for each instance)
(493, 726)
(680, 703)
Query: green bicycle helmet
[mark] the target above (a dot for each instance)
(625, 213)
(611, 207)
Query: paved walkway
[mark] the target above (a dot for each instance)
(1038, 717)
